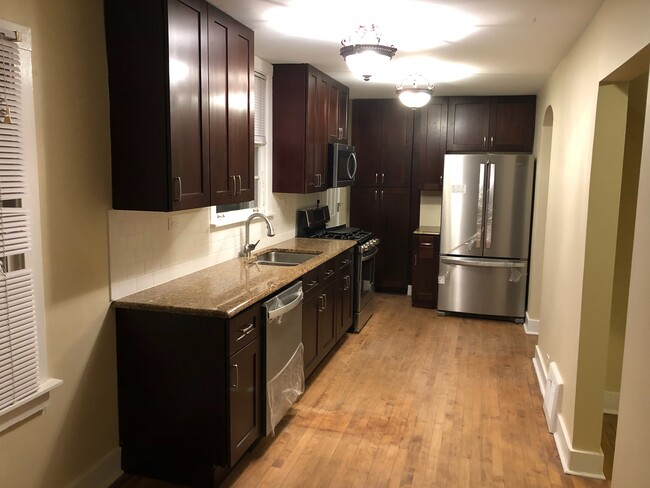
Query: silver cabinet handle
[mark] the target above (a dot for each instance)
(321, 307)
(426, 244)
(382, 178)
(340, 132)
(382, 195)
(234, 184)
(236, 383)
(376, 177)
(375, 195)
(239, 180)
(484, 141)
(245, 331)
(329, 273)
(491, 141)
(180, 189)
(325, 301)
(346, 280)
(440, 181)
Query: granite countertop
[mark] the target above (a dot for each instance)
(427, 230)
(227, 288)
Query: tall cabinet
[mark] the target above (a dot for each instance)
(181, 133)
(382, 132)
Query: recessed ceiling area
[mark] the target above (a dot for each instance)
(463, 47)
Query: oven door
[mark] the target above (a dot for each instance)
(365, 279)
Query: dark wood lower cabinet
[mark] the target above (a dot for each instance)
(426, 256)
(189, 393)
(327, 308)
(245, 399)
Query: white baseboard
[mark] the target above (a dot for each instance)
(409, 290)
(104, 473)
(531, 326)
(610, 402)
(580, 463)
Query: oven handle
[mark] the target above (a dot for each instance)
(369, 256)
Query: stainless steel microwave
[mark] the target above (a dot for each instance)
(342, 165)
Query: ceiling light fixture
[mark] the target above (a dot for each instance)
(361, 56)
(414, 91)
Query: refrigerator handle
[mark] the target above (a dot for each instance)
(479, 213)
(489, 214)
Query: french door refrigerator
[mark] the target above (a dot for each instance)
(485, 234)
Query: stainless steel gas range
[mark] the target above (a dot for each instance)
(312, 222)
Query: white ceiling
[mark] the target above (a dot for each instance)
(503, 47)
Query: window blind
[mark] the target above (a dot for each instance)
(259, 90)
(19, 367)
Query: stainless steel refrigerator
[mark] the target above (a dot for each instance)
(485, 234)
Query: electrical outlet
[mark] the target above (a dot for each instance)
(172, 223)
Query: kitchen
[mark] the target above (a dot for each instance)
(77, 198)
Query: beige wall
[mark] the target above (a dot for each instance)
(430, 208)
(618, 31)
(80, 426)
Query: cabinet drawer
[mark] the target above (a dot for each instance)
(345, 259)
(244, 328)
(428, 246)
(311, 282)
(327, 271)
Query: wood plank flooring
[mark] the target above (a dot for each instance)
(414, 400)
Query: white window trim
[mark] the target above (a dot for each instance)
(235, 217)
(38, 400)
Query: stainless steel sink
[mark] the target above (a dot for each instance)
(284, 258)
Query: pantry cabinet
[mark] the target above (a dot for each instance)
(176, 142)
(498, 124)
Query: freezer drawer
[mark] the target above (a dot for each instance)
(482, 286)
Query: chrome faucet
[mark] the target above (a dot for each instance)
(248, 247)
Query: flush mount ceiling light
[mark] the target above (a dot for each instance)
(364, 53)
(414, 91)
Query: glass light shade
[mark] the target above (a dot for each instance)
(366, 63)
(414, 98)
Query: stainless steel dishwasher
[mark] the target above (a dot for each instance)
(285, 372)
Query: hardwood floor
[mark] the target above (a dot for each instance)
(414, 400)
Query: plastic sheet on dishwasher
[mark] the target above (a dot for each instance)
(283, 389)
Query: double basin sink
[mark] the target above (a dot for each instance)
(275, 257)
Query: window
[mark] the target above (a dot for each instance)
(23, 381)
(239, 212)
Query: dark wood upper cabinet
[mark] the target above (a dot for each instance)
(231, 55)
(382, 132)
(166, 59)
(481, 124)
(338, 113)
(302, 101)
(429, 144)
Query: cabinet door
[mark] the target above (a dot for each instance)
(512, 124)
(393, 257)
(468, 124)
(338, 113)
(366, 137)
(326, 320)
(232, 163)
(345, 311)
(426, 254)
(396, 144)
(188, 104)
(430, 140)
(316, 156)
(245, 387)
(364, 208)
(310, 311)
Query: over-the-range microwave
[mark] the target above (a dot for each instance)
(342, 165)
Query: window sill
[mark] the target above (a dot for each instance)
(28, 406)
(234, 217)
